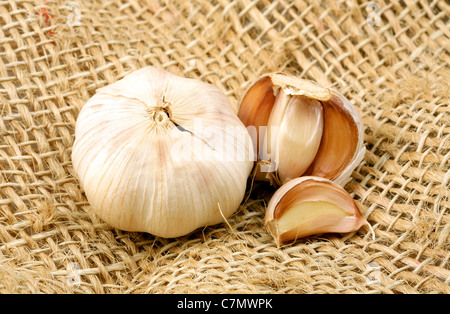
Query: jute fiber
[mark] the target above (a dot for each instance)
(390, 58)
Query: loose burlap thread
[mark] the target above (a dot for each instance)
(390, 58)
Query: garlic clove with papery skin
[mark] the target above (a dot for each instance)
(294, 133)
(341, 148)
(339, 134)
(162, 154)
(311, 205)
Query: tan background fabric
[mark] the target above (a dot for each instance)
(390, 58)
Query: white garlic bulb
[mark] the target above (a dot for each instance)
(161, 154)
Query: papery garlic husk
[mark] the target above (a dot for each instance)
(162, 154)
(311, 205)
(302, 129)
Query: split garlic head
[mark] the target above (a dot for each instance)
(161, 154)
(302, 129)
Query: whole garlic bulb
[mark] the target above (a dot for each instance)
(161, 154)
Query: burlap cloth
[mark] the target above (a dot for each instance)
(390, 58)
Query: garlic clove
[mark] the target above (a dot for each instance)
(341, 140)
(269, 137)
(292, 137)
(257, 104)
(299, 137)
(254, 112)
(311, 205)
(272, 132)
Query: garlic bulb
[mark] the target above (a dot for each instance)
(311, 205)
(302, 129)
(161, 154)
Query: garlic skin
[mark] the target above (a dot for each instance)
(311, 205)
(161, 154)
(297, 141)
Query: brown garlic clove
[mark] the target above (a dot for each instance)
(257, 104)
(295, 139)
(311, 205)
(339, 141)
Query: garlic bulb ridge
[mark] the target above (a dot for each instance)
(161, 154)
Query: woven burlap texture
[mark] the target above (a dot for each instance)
(390, 58)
